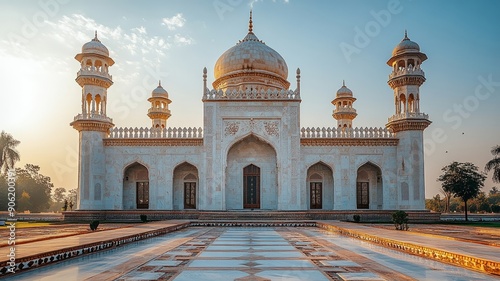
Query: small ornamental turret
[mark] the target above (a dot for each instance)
(344, 113)
(159, 112)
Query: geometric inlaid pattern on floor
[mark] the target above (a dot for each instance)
(241, 254)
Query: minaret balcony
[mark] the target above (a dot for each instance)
(159, 110)
(407, 71)
(93, 117)
(408, 115)
(344, 110)
(95, 72)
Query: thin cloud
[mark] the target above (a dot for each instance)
(174, 22)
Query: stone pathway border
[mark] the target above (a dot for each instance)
(40, 253)
(467, 255)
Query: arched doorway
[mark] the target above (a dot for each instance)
(251, 175)
(369, 191)
(136, 187)
(185, 187)
(320, 187)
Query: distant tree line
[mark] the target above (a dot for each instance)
(483, 203)
(33, 190)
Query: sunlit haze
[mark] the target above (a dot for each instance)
(172, 41)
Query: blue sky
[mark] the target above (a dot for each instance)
(174, 40)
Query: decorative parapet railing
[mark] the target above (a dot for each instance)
(344, 110)
(159, 110)
(371, 133)
(347, 137)
(251, 95)
(408, 115)
(94, 72)
(93, 117)
(155, 133)
(411, 70)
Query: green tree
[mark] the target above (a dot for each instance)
(59, 194)
(24, 203)
(71, 197)
(464, 180)
(8, 154)
(434, 204)
(36, 185)
(447, 197)
(494, 164)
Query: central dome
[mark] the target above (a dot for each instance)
(251, 64)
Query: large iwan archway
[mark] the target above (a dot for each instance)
(369, 189)
(135, 187)
(251, 175)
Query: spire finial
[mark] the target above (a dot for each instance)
(250, 24)
(159, 83)
(95, 37)
(406, 34)
(343, 83)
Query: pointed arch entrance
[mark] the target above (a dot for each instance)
(136, 187)
(320, 187)
(369, 190)
(185, 183)
(251, 175)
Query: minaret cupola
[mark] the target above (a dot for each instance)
(159, 112)
(344, 113)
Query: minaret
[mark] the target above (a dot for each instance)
(408, 122)
(344, 113)
(92, 123)
(159, 112)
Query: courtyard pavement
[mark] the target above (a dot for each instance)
(252, 253)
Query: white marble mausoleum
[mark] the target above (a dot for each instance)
(252, 152)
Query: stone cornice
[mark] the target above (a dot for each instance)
(406, 80)
(349, 142)
(408, 125)
(154, 142)
(83, 80)
(91, 125)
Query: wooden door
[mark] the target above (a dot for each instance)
(251, 187)
(362, 195)
(142, 195)
(190, 195)
(316, 195)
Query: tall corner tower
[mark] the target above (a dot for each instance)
(159, 112)
(344, 113)
(408, 122)
(92, 123)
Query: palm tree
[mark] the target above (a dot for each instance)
(8, 153)
(494, 164)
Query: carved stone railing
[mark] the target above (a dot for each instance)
(408, 115)
(93, 116)
(368, 133)
(251, 95)
(155, 133)
(94, 72)
(159, 110)
(345, 109)
(407, 71)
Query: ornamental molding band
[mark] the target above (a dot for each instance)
(94, 80)
(348, 142)
(408, 125)
(91, 125)
(154, 142)
(406, 80)
(249, 95)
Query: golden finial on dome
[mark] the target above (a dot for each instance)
(250, 24)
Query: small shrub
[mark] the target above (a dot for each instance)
(356, 218)
(94, 225)
(495, 208)
(144, 218)
(400, 220)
